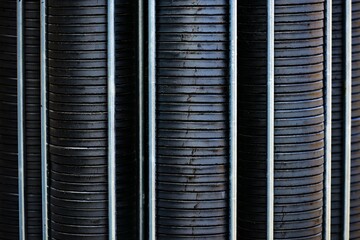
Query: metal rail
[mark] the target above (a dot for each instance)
(20, 118)
(111, 118)
(152, 118)
(233, 120)
(270, 117)
(328, 120)
(348, 92)
(43, 96)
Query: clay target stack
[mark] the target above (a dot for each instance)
(338, 81)
(299, 119)
(78, 127)
(339, 123)
(77, 44)
(192, 119)
(9, 213)
(32, 125)
(355, 128)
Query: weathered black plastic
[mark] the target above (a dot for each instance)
(192, 119)
(78, 119)
(299, 119)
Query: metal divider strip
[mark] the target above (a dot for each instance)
(328, 119)
(152, 118)
(348, 83)
(233, 120)
(270, 117)
(44, 153)
(20, 118)
(111, 119)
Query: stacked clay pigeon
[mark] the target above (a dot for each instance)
(78, 126)
(9, 214)
(338, 88)
(32, 126)
(77, 69)
(299, 119)
(338, 121)
(192, 119)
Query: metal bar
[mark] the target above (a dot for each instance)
(111, 118)
(20, 118)
(141, 116)
(328, 119)
(270, 118)
(152, 119)
(233, 120)
(348, 80)
(43, 83)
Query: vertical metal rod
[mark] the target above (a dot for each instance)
(152, 119)
(20, 118)
(328, 119)
(111, 118)
(233, 120)
(348, 82)
(43, 83)
(270, 117)
(141, 116)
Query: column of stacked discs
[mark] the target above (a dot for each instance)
(32, 119)
(125, 119)
(78, 119)
(299, 119)
(338, 121)
(355, 146)
(77, 69)
(338, 81)
(8, 123)
(192, 119)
